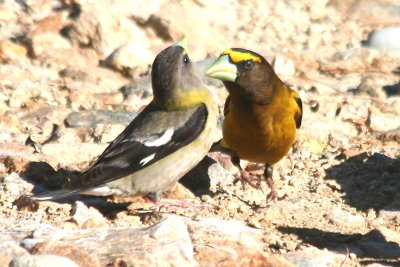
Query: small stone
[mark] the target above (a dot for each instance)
(382, 121)
(224, 232)
(205, 198)
(42, 261)
(334, 185)
(391, 211)
(291, 245)
(30, 243)
(12, 185)
(64, 249)
(390, 235)
(43, 42)
(70, 154)
(110, 99)
(313, 257)
(39, 9)
(11, 52)
(86, 217)
(386, 39)
(178, 191)
(105, 27)
(107, 133)
(246, 258)
(230, 243)
(10, 250)
(283, 66)
(131, 57)
(137, 93)
(92, 118)
(40, 129)
(371, 214)
(344, 218)
(371, 85)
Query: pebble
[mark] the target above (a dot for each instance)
(370, 85)
(86, 217)
(71, 154)
(131, 56)
(391, 211)
(314, 257)
(11, 184)
(344, 218)
(11, 52)
(9, 250)
(42, 261)
(92, 118)
(385, 39)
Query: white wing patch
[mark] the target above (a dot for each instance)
(99, 191)
(165, 138)
(147, 159)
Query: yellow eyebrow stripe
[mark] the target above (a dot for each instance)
(237, 56)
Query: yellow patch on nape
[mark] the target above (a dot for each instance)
(238, 56)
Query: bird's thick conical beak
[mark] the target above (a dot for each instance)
(183, 43)
(222, 69)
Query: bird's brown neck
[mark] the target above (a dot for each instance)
(256, 96)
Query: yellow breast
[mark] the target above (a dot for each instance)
(260, 133)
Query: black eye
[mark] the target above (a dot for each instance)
(186, 59)
(248, 64)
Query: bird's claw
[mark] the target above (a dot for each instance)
(247, 178)
(273, 196)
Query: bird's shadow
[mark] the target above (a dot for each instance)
(349, 243)
(368, 181)
(45, 178)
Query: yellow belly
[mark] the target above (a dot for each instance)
(262, 134)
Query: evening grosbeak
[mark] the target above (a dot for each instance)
(165, 141)
(261, 112)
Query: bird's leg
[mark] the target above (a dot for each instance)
(273, 195)
(245, 176)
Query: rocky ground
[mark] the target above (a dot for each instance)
(74, 73)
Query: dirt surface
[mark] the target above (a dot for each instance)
(341, 179)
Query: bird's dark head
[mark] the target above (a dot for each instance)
(172, 75)
(244, 73)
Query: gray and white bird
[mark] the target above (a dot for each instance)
(164, 142)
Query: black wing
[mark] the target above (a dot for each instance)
(135, 148)
(129, 153)
(298, 116)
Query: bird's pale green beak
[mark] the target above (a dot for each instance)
(183, 43)
(222, 69)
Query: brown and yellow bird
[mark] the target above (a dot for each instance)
(261, 112)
